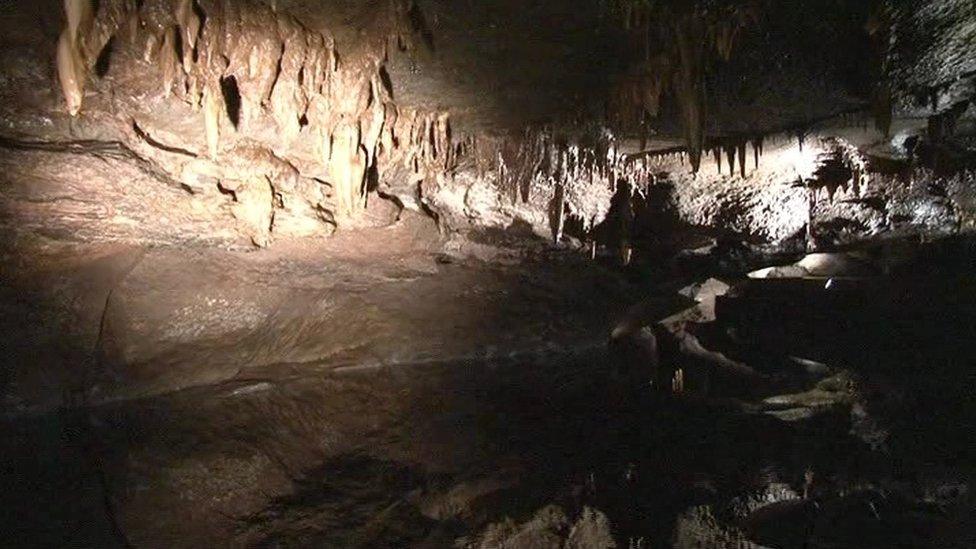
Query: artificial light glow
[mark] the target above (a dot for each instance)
(801, 163)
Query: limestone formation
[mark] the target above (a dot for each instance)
(243, 62)
(71, 73)
(71, 61)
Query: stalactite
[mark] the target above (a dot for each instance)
(288, 102)
(426, 139)
(213, 106)
(347, 169)
(277, 69)
(316, 65)
(211, 63)
(253, 58)
(70, 73)
(689, 83)
(79, 15)
(372, 122)
(444, 138)
(694, 35)
(391, 116)
(155, 18)
(189, 23)
(71, 65)
(742, 157)
(757, 145)
(167, 61)
(113, 17)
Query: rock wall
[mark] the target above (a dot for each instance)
(931, 58)
(241, 107)
(236, 123)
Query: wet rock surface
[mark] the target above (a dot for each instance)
(533, 435)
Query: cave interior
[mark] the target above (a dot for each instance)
(488, 274)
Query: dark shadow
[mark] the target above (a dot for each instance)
(420, 26)
(232, 99)
(104, 60)
(387, 82)
(340, 497)
(423, 453)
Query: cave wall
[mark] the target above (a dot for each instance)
(248, 116)
(932, 61)
(236, 123)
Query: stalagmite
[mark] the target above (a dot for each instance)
(254, 207)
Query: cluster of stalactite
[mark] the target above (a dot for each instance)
(572, 177)
(427, 141)
(539, 162)
(732, 151)
(735, 150)
(275, 67)
(675, 42)
(538, 157)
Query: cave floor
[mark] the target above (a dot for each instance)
(386, 399)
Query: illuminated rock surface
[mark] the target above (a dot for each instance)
(487, 273)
